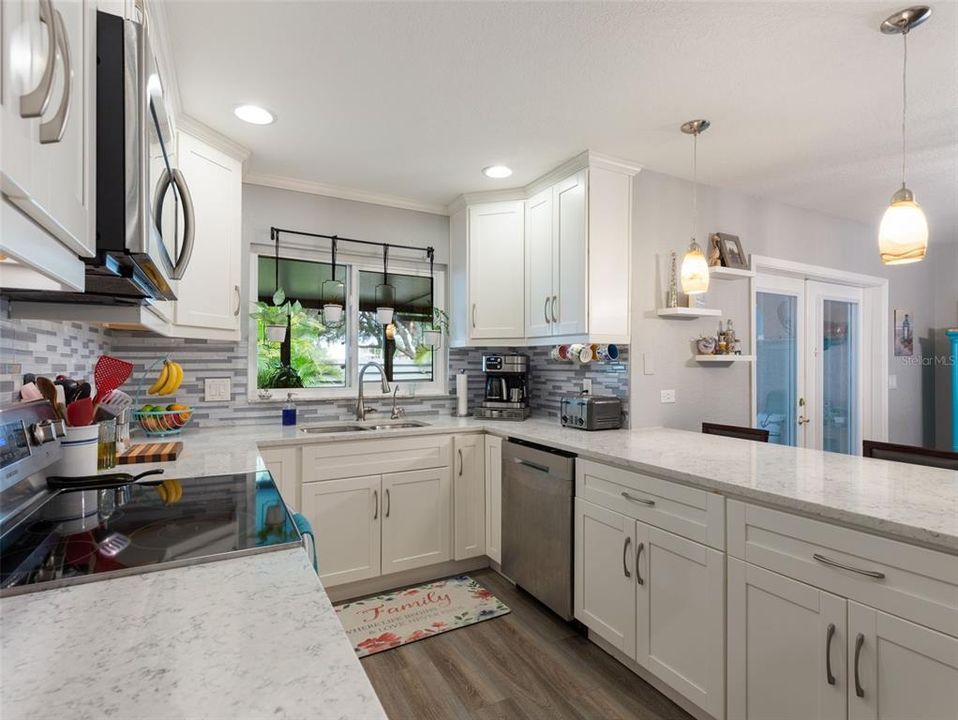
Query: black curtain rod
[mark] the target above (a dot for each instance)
(275, 231)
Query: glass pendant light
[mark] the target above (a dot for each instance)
(385, 295)
(903, 233)
(695, 269)
(333, 296)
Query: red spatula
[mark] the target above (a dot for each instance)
(80, 412)
(108, 374)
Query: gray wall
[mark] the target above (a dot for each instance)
(661, 212)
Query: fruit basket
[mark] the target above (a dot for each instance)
(162, 420)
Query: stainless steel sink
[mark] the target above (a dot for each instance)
(357, 427)
(396, 425)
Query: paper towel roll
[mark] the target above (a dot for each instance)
(462, 394)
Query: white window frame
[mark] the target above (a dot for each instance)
(355, 263)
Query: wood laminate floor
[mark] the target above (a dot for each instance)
(525, 665)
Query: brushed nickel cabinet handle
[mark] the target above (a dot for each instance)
(834, 563)
(460, 461)
(829, 634)
(473, 316)
(545, 310)
(555, 317)
(859, 641)
(239, 301)
(633, 498)
(375, 504)
(34, 103)
(388, 503)
(638, 553)
(52, 130)
(625, 553)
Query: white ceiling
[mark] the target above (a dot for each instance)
(413, 99)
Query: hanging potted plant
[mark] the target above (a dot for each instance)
(275, 316)
(440, 324)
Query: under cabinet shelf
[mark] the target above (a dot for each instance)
(723, 359)
(687, 313)
(726, 273)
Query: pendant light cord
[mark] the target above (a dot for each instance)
(904, 103)
(695, 182)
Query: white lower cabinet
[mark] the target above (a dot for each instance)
(493, 471)
(469, 493)
(899, 670)
(656, 597)
(345, 515)
(283, 465)
(416, 519)
(786, 648)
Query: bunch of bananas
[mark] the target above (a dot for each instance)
(169, 379)
(170, 491)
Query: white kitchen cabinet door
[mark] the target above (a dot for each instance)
(283, 465)
(539, 264)
(786, 648)
(899, 670)
(604, 567)
(496, 271)
(493, 471)
(49, 160)
(416, 519)
(208, 295)
(345, 515)
(680, 615)
(469, 496)
(570, 256)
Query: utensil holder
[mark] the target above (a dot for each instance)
(79, 449)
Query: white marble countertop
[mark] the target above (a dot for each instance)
(907, 502)
(252, 637)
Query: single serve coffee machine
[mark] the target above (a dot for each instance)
(507, 387)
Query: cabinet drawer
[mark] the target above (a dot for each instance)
(692, 513)
(327, 461)
(905, 580)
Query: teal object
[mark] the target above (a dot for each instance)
(306, 530)
(953, 359)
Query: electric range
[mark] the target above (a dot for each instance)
(58, 538)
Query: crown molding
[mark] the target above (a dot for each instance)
(342, 193)
(581, 161)
(202, 131)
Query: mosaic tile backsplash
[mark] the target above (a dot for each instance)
(72, 348)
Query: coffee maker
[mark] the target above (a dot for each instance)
(506, 394)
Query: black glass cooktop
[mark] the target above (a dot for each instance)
(83, 535)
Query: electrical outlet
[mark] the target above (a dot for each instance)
(667, 396)
(587, 385)
(217, 390)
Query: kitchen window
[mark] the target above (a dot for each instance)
(317, 361)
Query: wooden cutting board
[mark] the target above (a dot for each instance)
(150, 453)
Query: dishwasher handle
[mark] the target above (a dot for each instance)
(530, 464)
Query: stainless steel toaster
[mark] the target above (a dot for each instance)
(591, 412)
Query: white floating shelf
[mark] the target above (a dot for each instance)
(727, 273)
(723, 358)
(688, 313)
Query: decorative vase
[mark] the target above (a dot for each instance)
(705, 345)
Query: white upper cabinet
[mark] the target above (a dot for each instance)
(48, 111)
(570, 256)
(539, 265)
(208, 295)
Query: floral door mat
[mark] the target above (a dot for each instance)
(403, 616)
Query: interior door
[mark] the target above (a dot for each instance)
(786, 648)
(539, 245)
(570, 256)
(833, 367)
(416, 518)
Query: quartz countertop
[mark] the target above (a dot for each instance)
(252, 637)
(907, 502)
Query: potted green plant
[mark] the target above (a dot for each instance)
(440, 324)
(275, 316)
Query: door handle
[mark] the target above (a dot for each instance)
(239, 301)
(460, 461)
(633, 498)
(529, 464)
(829, 634)
(874, 574)
(51, 131)
(545, 310)
(625, 553)
(555, 317)
(189, 226)
(34, 103)
(375, 504)
(859, 641)
(388, 503)
(638, 553)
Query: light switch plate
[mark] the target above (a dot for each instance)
(648, 364)
(667, 396)
(587, 385)
(217, 390)
(892, 382)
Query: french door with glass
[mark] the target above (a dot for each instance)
(808, 365)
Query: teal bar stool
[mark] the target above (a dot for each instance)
(306, 530)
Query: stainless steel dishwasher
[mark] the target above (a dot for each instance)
(538, 486)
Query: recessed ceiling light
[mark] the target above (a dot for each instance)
(254, 114)
(497, 171)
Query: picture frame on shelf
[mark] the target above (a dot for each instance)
(730, 251)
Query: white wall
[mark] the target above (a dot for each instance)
(661, 223)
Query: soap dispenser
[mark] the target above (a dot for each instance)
(289, 410)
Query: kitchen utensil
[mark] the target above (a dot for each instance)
(150, 453)
(80, 412)
(30, 392)
(83, 390)
(116, 402)
(69, 388)
(104, 481)
(49, 392)
(109, 373)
